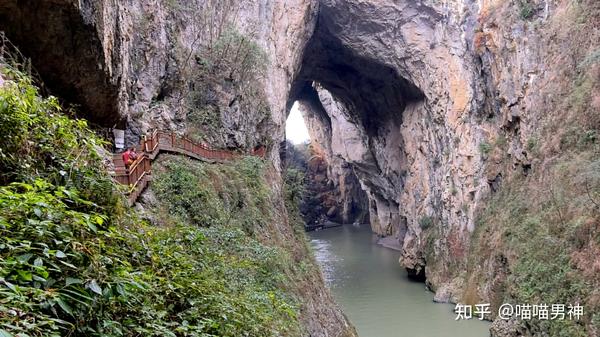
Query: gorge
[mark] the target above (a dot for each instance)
(465, 132)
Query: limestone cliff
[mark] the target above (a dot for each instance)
(146, 64)
(331, 193)
(348, 202)
(440, 107)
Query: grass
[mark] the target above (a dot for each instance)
(526, 9)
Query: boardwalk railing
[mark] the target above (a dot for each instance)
(137, 176)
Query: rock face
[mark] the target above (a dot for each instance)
(142, 65)
(399, 86)
(338, 191)
(434, 106)
(332, 193)
(343, 199)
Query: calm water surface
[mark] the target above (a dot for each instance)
(374, 291)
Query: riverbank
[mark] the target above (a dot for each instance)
(321, 226)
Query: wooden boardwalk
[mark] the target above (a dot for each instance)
(139, 173)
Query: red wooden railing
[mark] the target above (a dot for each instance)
(137, 176)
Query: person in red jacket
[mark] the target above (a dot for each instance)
(129, 157)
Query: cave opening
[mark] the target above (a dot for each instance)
(332, 194)
(354, 106)
(295, 127)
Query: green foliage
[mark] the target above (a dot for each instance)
(453, 189)
(591, 59)
(44, 244)
(581, 93)
(235, 56)
(526, 9)
(578, 138)
(38, 141)
(227, 203)
(235, 194)
(64, 270)
(294, 186)
(532, 144)
(543, 273)
(211, 282)
(542, 228)
(294, 194)
(203, 116)
(426, 222)
(175, 5)
(464, 208)
(297, 155)
(501, 141)
(188, 198)
(485, 148)
(231, 65)
(72, 263)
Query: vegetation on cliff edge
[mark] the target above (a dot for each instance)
(74, 262)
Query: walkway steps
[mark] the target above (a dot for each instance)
(139, 174)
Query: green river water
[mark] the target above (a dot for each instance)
(375, 293)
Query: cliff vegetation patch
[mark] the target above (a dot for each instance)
(74, 262)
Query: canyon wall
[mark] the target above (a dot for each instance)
(440, 108)
(344, 200)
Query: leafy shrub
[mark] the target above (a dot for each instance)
(65, 272)
(532, 144)
(294, 189)
(485, 148)
(230, 241)
(526, 9)
(39, 141)
(210, 282)
(426, 222)
(294, 186)
(188, 198)
(44, 245)
(207, 195)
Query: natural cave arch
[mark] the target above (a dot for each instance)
(374, 93)
(359, 104)
(67, 53)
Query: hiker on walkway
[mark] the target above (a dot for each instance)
(129, 157)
